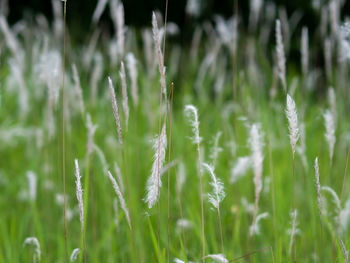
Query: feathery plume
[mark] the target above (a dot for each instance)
(294, 230)
(304, 50)
(132, 69)
(115, 110)
(33, 241)
(101, 156)
(79, 193)
(218, 258)
(255, 229)
(32, 179)
(328, 57)
(159, 54)
(124, 93)
(119, 176)
(96, 75)
(218, 187)
(154, 183)
(101, 5)
(192, 110)
(332, 103)
(240, 168)
(344, 251)
(120, 28)
(292, 117)
(91, 131)
(334, 195)
(78, 89)
(281, 60)
(120, 197)
(74, 255)
(115, 208)
(181, 177)
(344, 217)
(318, 187)
(330, 132)
(256, 145)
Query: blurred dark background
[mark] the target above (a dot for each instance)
(138, 12)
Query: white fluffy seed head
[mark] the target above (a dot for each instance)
(32, 185)
(33, 241)
(91, 132)
(159, 54)
(124, 93)
(120, 197)
(115, 110)
(255, 228)
(132, 69)
(192, 114)
(318, 186)
(218, 193)
(79, 193)
(304, 50)
(74, 255)
(256, 146)
(292, 117)
(240, 168)
(218, 258)
(294, 230)
(330, 132)
(154, 182)
(281, 60)
(78, 89)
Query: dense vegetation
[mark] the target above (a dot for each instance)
(220, 152)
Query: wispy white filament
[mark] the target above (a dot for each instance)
(292, 117)
(119, 176)
(332, 103)
(120, 197)
(159, 54)
(334, 195)
(154, 182)
(33, 241)
(218, 193)
(330, 131)
(79, 193)
(115, 110)
(120, 28)
(192, 112)
(78, 89)
(255, 228)
(281, 60)
(256, 146)
(32, 179)
(101, 5)
(218, 258)
(124, 93)
(132, 69)
(294, 230)
(318, 186)
(240, 168)
(74, 255)
(91, 129)
(216, 149)
(304, 50)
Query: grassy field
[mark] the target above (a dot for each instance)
(234, 76)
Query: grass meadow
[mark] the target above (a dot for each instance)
(131, 147)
